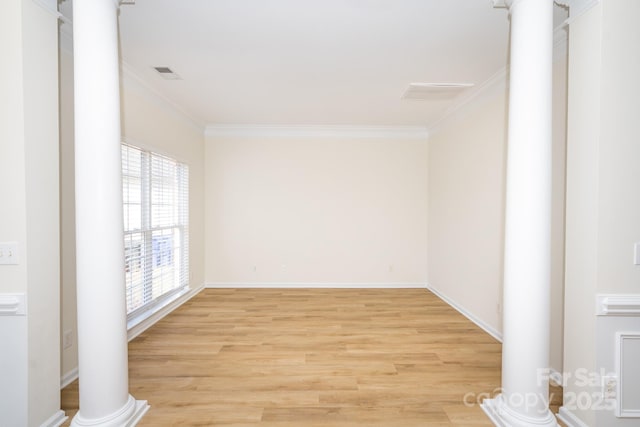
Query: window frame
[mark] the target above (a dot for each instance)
(180, 226)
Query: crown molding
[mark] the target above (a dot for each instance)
(65, 37)
(560, 38)
(50, 6)
(131, 80)
(497, 82)
(503, 3)
(320, 131)
(577, 8)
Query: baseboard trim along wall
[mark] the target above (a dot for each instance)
(555, 377)
(479, 322)
(569, 418)
(140, 324)
(314, 285)
(68, 378)
(55, 420)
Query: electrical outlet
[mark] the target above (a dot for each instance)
(67, 338)
(609, 387)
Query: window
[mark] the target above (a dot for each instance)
(156, 226)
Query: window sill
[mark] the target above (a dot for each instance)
(147, 318)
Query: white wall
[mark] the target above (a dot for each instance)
(603, 206)
(558, 200)
(619, 149)
(316, 210)
(467, 160)
(13, 329)
(582, 213)
(68, 321)
(150, 122)
(29, 365)
(147, 121)
(466, 208)
(40, 44)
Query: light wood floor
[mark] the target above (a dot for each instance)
(322, 357)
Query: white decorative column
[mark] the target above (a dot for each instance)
(524, 400)
(102, 328)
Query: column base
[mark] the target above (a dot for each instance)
(502, 416)
(128, 416)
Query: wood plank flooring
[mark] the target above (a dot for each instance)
(311, 357)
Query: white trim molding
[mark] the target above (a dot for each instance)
(569, 418)
(131, 80)
(65, 38)
(494, 84)
(556, 377)
(147, 319)
(466, 313)
(305, 131)
(13, 304)
(141, 323)
(313, 285)
(560, 39)
(577, 8)
(68, 378)
(498, 82)
(128, 416)
(55, 420)
(626, 407)
(50, 6)
(618, 305)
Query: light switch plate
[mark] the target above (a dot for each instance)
(9, 253)
(636, 253)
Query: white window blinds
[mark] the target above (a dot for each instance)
(156, 226)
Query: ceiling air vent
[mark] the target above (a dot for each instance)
(434, 91)
(167, 73)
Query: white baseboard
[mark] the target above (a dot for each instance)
(55, 420)
(483, 325)
(69, 377)
(141, 324)
(315, 285)
(145, 321)
(569, 418)
(555, 377)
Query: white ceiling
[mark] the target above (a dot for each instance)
(322, 62)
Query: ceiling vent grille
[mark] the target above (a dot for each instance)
(167, 73)
(434, 91)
